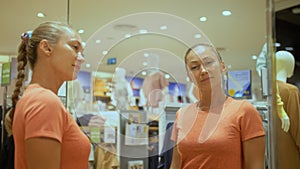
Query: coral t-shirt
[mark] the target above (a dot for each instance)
(40, 113)
(215, 142)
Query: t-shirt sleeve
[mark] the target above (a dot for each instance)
(251, 124)
(45, 118)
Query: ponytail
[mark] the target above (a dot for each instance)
(22, 62)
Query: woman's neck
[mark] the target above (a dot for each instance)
(210, 99)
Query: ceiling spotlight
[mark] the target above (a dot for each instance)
(87, 65)
(145, 63)
(80, 31)
(41, 15)
(146, 55)
(203, 19)
(98, 41)
(104, 52)
(289, 48)
(128, 35)
(197, 36)
(226, 13)
(167, 76)
(254, 57)
(277, 44)
(144, 73)
(142, 31)
(164, 27)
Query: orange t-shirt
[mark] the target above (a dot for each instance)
(221, 145)
(40, 113)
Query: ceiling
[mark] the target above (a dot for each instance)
(238, 37)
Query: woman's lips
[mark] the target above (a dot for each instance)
(205, 79)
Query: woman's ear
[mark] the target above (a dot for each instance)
(223, 67)
(45, 47)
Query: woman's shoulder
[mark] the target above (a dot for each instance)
(35, 93)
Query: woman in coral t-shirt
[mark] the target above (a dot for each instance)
(45, 134)
(216, 132)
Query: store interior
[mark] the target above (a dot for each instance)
(125, 40)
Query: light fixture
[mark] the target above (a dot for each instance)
(146, 55)
(98, 41)
(277, 44)
(144, 73)
(197, 36)
(254, 57)
(104, 52)
(203, 19)
(163, 27)
(145, 63)
(142, 31)
(167, 76)
(87, 65)
(128, 35)
(226, 13)
(40, 15)
(80, 31)
(289, 48)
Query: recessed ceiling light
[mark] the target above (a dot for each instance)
(197, 36)
(203, 19)
(128, 35)
(98, 41)
(187, 79)
(254, 57)
(87, 65)
(229, 66)
(104, 52)
(163, 27)
(146, 55)
(41, 15)
(277, 44)
(144, 73)
(226, 13)
(289, 48)
(80, 31)
(83, 44)
(145, 63)
(167, 76)
(143, 31)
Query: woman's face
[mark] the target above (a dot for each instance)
(204, 67)
(68, 56)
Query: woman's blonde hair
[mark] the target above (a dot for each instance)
(27, 52)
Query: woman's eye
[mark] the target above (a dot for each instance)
(195, 67)
(75, 47)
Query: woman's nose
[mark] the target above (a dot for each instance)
(80, 57)
(203, 69)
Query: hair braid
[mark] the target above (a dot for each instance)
(22, 62)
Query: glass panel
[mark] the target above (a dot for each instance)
(124, 35)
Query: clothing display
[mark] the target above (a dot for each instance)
(167, 150)
(45, 116)
(289, 142)
(153, 86)
(122, 93)
(239, 122)
(105, 158)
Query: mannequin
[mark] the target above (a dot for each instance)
(261, 63)
(192, 92)
(122, 93)
(289, 143)
(154, 91)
